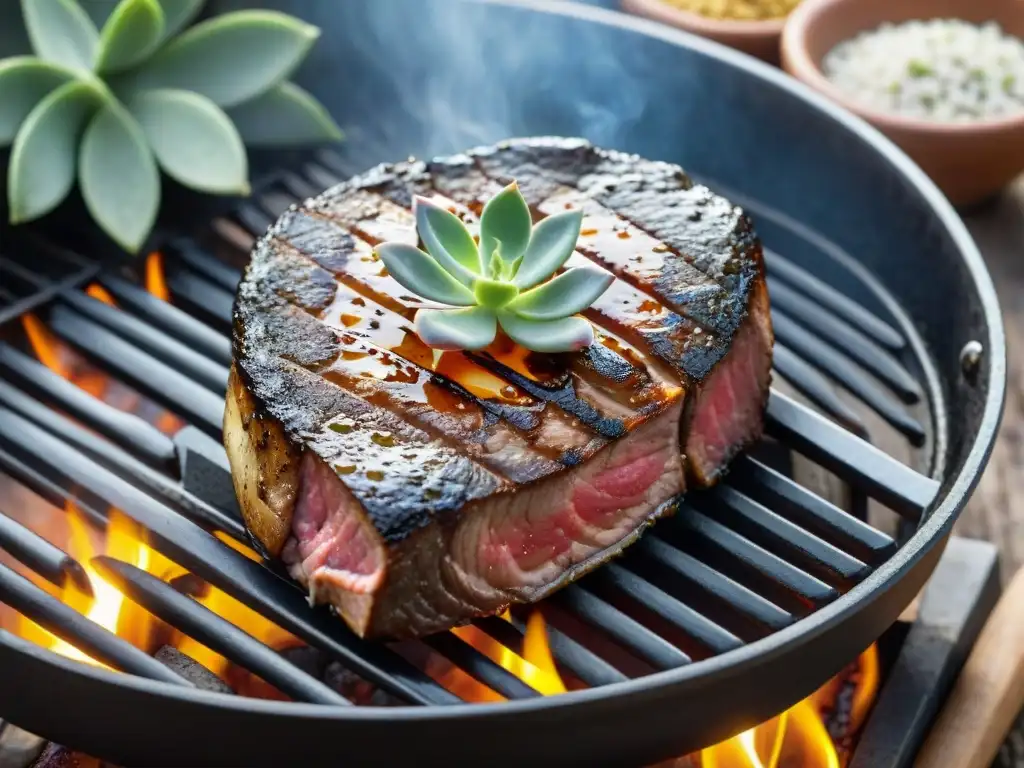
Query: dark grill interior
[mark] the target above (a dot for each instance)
(735, 564)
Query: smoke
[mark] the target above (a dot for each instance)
(429, 77)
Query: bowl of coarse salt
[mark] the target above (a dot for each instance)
(944, 79)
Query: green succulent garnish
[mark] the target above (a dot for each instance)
(502, 282)
(111, 106)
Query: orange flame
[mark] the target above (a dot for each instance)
(109, 608)
(535, 666)
(104, 607)
(98, 292)
(45, 345)
(58, 358)
(156, 283)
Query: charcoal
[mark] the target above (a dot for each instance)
(191, 585)
(309, 660)
(18, 748)
(191, 670)
(56, 756)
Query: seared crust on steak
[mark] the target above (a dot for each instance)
(414, 490)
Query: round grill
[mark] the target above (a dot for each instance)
(746, 601)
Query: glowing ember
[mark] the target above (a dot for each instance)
(155, 280)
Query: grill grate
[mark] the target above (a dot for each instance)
(735, 564)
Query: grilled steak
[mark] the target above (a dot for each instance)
(413, 489)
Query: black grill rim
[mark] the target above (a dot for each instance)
(893, 583)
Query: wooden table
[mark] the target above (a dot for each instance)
(996, 512)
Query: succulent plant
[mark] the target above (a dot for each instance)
(500, 281)
(113, 105)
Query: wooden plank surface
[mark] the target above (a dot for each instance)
(996, 512)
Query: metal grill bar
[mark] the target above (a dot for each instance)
(253, 219)
(131, 469)
(742, 512)
(816, 388)
(581, 661)
(202, 624)
(169, 319)
(74, 628)
(42, 486)
(857, 345)
(693, 624)
(811, 511)
(842, 305)
(812, 348)
(480, 667)
(876, 473)
(248, 582)
(157, 381)
(167, 350)
(133, 434)
(53, 564)
(808, 588)
(628, 632)
(202, 297)
(200, 261)
(725, 590)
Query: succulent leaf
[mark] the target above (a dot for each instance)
(193, 140)
(447, 240)
(551, 244)
(494, 293)
(42, 166)
(564, 335)
(61, 32)
(118, 176)
(453, 329)
(131, 34)
(24, 81)
(422, 275)
(283, 116)
(229, 59)
(178, 13)
(505, 220)
(572, 291)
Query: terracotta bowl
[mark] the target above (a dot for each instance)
(758, 38)
(969, 161)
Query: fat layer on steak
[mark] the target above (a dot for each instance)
(413, 489)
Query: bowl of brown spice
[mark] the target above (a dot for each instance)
(751, 26)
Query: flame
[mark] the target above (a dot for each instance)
(55, 356)
(106, 604)
(746, 740)
(800, 736)
(98, 292)
(45, 345)
(155, 280)
(796, 737)
(535, 667)
(109, 608)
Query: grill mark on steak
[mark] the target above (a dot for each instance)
(706, 231)
(394, 223)
(634, 312)
(568, 392)
(515, 447)
(440, 534)
(401, 475)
